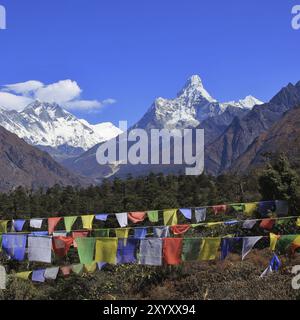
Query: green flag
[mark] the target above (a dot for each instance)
(69, 221)
(77, 268)
(153, 216)
(284, 242)
(86, 249)
(191, 249)
(101, 233)
(239, 207)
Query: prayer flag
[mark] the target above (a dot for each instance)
(265, 207)
(79, 234)
(122, 233)
(90, 268)
(180, 229)
(191, 249)
(38, 275)
(52, 223)
(239, 207)
(273, 241)
(153, 215)
(101, 217)
(122, 219)
(219, 209)
(248, 244)
(69, 221)
(161, 232)
(77, 268)
(61, 245)
(249, 224)
(36, 223)
(106, 250)
(151, 251)
(200, 214)
(187, 213)
(87, 221)
(18, 225)
(51, 273)
(250, 208)
(267, 224)
(101, 233)
(282, 208)
(126, 253)
(3, 226)
(140, 233)
(39, 249)
(86, 249)
(170, 217)
(3, 278)
(66, 270)
(14, 245)
(23, 275)
(209, 249)
(172, 249)
(136, 217)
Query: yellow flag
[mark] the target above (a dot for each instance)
(23, 275)
(170, 217)
(87, 221)
(298, 222)
(90, 268)
(213, 224)
(273, 241)
(106, 250)
(209, 248)
(297, 241)
(122, 233)
(3, 226)
(250, 208)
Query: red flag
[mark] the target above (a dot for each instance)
(52, 223)
(180, 228)
(136, 217)
(172, 248)
(61, 245)
(219, 209)
(66, 270)
(267, 224)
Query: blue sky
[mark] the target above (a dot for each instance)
(136, 50)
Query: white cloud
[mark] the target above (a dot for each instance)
(59, 92)
(24, 88)
(13, 102)
(109, 101)
(83, 104)
(65, 92)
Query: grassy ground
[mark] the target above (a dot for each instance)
(230, 279)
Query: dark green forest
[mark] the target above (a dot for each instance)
(279, 180)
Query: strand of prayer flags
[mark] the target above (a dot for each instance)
(267, 224)
(156, 252)
(169, 215)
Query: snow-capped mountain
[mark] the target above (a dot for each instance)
(192, 105)
(50, 126)
(248, 103)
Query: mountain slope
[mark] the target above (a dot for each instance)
(222, 153)
(193, 107)
(55, 130)
(24, 165)
(283, 137)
